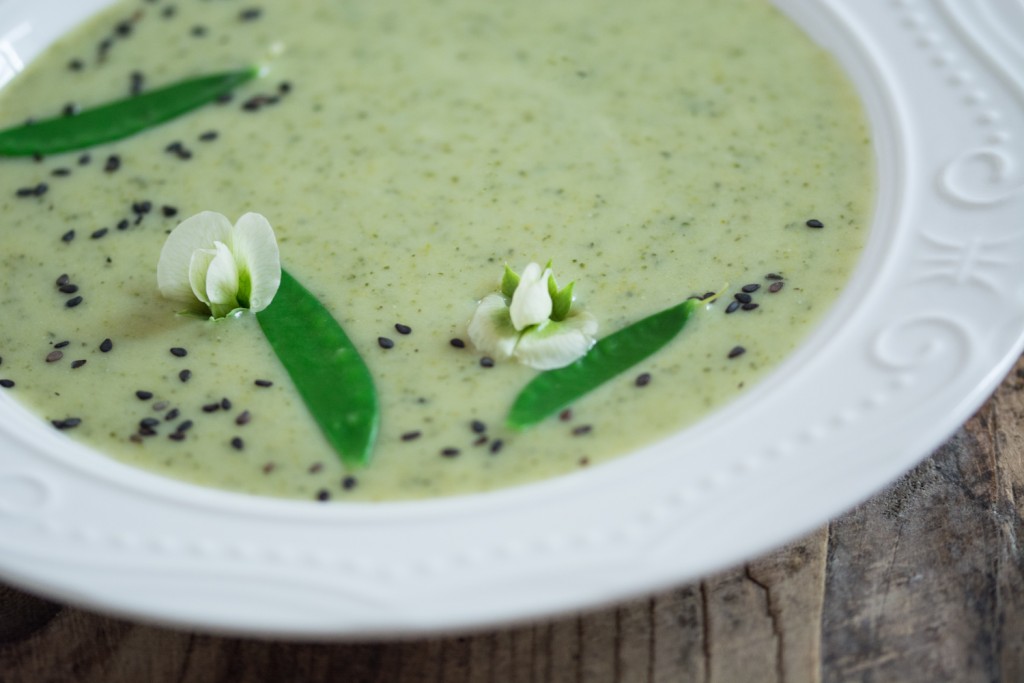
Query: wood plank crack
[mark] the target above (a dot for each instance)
(772, 611)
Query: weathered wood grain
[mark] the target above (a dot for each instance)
(924, 582)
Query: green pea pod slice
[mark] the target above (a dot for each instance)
(552, 391)
(326, 368)
(119, 119)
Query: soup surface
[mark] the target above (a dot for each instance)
(404, 152)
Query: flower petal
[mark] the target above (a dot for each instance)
(557, 344)
(258, 259)
(222, 278)
(198, 267)
(491, 329)
(174, 267)
(531, 303)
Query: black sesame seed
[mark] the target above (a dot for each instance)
(487, 362)
(76, 65)
(737, 351)
(751, 288)
(225, 404)
(403, 329)
(144, 395)
(142, 207)
(198, 31)
(254, 103)
(68, 288)
(385, 343)
(496, 445)
(184, 426)
(160, 406)
(211, 407)
(176, 436)
(209, 136)
(742, 297)
(112, 164)
(98, 233)
(122, 224)
(106, 345)
(61, 172)
(250, 14)
(172, 414)
(323, 495)
(123, 28)
(315, 467)
(348, 483)
(7, 383)
(751, 307)
(263, 383)
(581, 430)
(84, 160)
(40, 189)
(68, 423)
(174, 147)
(149, 422)
(185, 375)
(243, 418)
(25, 192)
(70, 109)
(481, 440)
(773, 276)
(63, 280)
(73, 301)
(732, 307)
(815, 223)
(565, 415)
(61, 345)
(643, 379)
(178, 351)
(707, 295)
(775, 287)
(478, 427)
(411, 436)
(75, 364)
(284, 87)
(169, 211)
(458, 343)
(450, 452)
(237, 443)
(137, 81)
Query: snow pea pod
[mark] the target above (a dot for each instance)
(327, 370)
(118, 119)
(551, 391)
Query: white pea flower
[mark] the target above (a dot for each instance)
(222, 267)
(532, 321)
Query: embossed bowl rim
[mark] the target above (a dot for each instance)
(930, 322)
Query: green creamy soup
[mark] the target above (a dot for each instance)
(404, 153)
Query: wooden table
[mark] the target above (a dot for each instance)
(924, 582)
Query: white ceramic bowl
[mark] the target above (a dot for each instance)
(931, 321)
